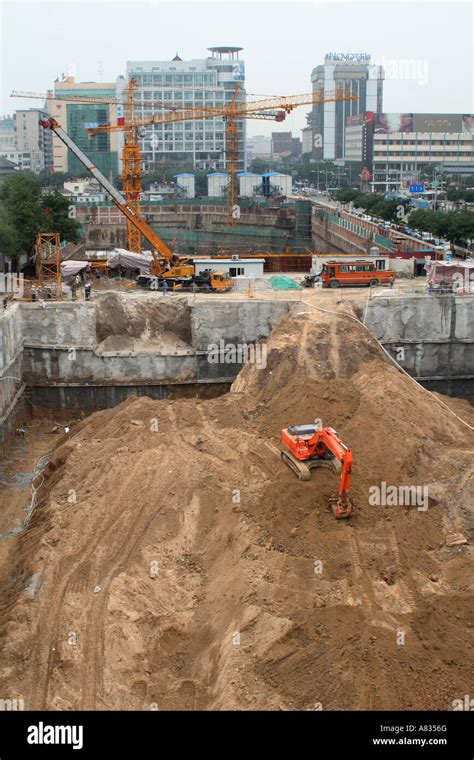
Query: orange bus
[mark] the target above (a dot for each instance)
(335, 274)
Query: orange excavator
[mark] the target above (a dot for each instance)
(308, 446)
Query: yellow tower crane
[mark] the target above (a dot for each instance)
(275, 108)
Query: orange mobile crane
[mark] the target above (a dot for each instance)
(163, 256)
(131, 155)
(308, 446)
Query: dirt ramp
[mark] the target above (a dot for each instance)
(142, 324)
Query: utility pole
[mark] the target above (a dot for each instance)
(435, 201)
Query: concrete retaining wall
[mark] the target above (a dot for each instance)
(53, 350)
(11, 383)
(431, 337)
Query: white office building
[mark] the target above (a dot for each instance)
(180, 84)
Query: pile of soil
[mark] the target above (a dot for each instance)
(142, 325)
(180, 565)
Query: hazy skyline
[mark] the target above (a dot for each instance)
(430, 43)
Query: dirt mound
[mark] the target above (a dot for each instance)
(142, 325)
(183, 565)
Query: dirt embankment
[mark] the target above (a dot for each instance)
(142, 325)
(183, 565)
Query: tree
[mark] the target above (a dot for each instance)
(460, 194)
(346, 195)
(260, 166)
(54, 179)
(24, 212)
(454, 226)
(200, 180)
(20, 196)
(9, 243)
(56, 213)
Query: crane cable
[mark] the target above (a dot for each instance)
(390, 357)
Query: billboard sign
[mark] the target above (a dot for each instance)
(437, 122)
(468, 123)
(416, 188)
(393, 122)
(424, 122)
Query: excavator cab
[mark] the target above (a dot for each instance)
(312, 445)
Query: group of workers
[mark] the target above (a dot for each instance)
(75, 286)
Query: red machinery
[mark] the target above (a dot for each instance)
(308, 446)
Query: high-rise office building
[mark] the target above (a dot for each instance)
(355, 73)
(74, 116)
(189, 84)
(7, 133)
(31, 138)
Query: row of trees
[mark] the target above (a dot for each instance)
(455, 226)
(460, 194)
(26, 210)
(375, 204)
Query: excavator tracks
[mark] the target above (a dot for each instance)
(300, 469)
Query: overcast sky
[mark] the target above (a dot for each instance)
(282, 43)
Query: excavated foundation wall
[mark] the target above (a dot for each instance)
(431, 337)
(12, 407)
(93, 355)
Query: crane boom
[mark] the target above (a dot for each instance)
(157, 244)
(236, 109)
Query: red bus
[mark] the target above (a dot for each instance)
(335, 274)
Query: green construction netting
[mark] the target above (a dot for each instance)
(280, 282)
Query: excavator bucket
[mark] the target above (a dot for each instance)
(341, 509)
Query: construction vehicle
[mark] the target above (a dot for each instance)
(345, 273)
(308, 446)
(165, 262)
(206, 282)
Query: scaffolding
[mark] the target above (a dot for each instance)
(48, 263)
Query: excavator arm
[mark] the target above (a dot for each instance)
(159, 249)
(331, 441)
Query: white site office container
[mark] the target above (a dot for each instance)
(217, 185)
(249, 184)
(235, 267)
(274, 183)
(184, 185)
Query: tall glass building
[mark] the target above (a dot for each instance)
(73, 117)
(355, 73)
(189, 84)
